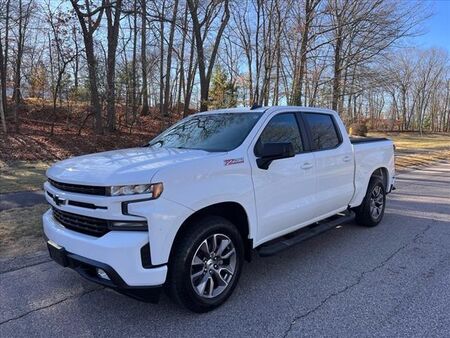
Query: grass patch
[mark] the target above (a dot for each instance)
(413, 150)
(21, 230)
(22, 176)
(413, 141)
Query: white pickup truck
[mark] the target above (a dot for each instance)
(188, 208)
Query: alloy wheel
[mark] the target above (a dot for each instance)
(376, 202)
(213, 266)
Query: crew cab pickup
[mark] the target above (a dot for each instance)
(185, 210)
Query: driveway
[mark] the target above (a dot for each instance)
(391, 280)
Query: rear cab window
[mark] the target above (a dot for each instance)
(323, 131)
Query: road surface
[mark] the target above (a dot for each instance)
(391, 280)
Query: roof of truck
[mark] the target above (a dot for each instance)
(270, 109)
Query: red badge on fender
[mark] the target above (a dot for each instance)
(233, 161)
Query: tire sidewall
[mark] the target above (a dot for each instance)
(192, 299)
(372, 185)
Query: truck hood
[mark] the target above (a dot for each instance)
(121, 167)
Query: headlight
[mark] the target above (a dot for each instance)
(154, 189)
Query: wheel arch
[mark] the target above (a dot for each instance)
(383, 174)
(232, 211)
(362, 185)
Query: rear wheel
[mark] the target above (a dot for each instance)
(206, 264)
(371, 211)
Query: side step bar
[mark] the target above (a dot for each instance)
(279, 244)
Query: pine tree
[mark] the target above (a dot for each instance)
(223, 93)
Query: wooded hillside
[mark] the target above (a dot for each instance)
(115, 66)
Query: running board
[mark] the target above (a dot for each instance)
(279, 244)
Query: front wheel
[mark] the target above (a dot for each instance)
(371, 211)
(206, 264)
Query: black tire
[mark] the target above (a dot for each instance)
(180, 287)
(364, 214)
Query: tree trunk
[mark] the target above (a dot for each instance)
(113, 35)
(88, 38)
(2, 114)
(144, 110)
(161, 62)
(4, 64)
(133, 64)
(17, 75)
(182, 86)
(2, 111)
(169, 60)
(310, 6)
(192, 68)
(337, 71)
(205, 72)
(92, 71)
(77, 62)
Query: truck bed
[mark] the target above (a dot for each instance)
(371, 153)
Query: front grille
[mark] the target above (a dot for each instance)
(82, 189)
(87, 225)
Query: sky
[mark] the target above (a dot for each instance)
(437, 28)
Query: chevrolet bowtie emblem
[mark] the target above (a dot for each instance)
(58, 201)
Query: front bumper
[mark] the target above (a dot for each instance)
(119, 251)
(89, 268)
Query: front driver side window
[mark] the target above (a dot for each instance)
(281, 128)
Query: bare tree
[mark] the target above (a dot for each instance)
(89, 17)
(4, 63)
(64, 53)
(201, 28)
(144, 65)
(165, 107)
(162, 55)
(23, 20)
(310, 7)
(112, 12)
(134, 62)
(2, 111)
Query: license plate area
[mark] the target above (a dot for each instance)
(57, 253)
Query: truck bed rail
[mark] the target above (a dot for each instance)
(356, 140)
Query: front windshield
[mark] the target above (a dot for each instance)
(210, 132)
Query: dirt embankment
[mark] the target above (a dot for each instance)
(72, 133)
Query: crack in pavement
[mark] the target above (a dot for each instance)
(358, 280)
(51, 305)
(24, 267)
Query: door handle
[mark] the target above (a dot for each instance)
(347, 158)
(306, 165)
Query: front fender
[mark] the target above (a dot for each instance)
(198, 184)
(164, 219)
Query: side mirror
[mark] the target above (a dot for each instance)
(273, 151)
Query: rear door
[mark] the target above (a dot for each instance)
(284, 193)
(334, 162)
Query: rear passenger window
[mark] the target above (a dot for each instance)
(323, 131)
(281, 128)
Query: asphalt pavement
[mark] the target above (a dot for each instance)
(21, 199)
(391, 280)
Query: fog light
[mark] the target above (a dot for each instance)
(128, 225)
(102, 274)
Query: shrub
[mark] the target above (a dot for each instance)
(358, 129)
